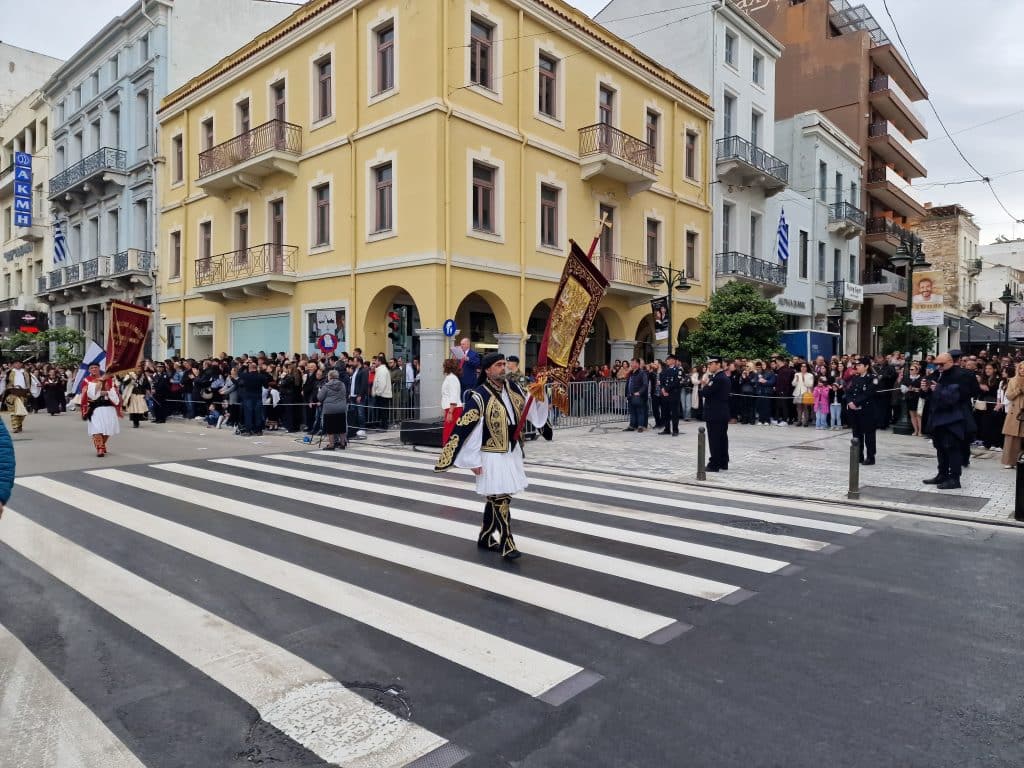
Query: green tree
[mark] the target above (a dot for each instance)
(739, 322)
(894, 333)
(69, 345)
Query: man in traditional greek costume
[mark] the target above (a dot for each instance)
(18, 386)
(101, 407)
(487, 440)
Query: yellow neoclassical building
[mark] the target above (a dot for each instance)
(378, 167)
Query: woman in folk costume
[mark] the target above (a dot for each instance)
(487, 441)
(101, 407)
(137, 388)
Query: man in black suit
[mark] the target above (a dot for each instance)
(359, 388)
(861, 407)
(716, 415)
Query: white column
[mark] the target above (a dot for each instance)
(433, 351)
(622, 349)
(510, 344)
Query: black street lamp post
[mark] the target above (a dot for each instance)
(676, 280)
(912, 258)
(842, 307)
(972, 314)
(1008, 300)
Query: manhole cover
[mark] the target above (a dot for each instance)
(807, 448)
(762, 526)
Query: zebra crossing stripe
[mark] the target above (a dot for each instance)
(616, 617)
(662, 501)
(303, 702)
(630, 570)
(521, 668)
(48, 724)
(661, 543)
(351, 462)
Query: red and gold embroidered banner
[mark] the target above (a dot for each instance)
(126, 340)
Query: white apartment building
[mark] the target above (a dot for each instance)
(725, 53)
(23, 71)
(825, 227)
(1002, 265)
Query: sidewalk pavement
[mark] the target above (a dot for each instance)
(798, 462)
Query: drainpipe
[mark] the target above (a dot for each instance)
(523, 319)
(154, 293)
(446, 195)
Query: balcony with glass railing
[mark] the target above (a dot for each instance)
(733, 265)
(104, 165)
(892, 102)
(894, 192)
(244, 161)
(744, 164)
(607, 152)
(886, 141)
(845, 219)
(882, 283)
(255, 271)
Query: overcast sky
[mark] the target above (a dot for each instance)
(973, 71)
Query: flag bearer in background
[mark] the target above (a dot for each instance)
(17, 387)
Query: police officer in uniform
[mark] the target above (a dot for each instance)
(716, 415)
(860, 408)
(670, 382)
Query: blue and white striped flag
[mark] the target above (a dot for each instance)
(95, 354)
(60, 245)
(783, 235)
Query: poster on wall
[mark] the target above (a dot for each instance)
(926, 305)
(324, 321)
(659, 309)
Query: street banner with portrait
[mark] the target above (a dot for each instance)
(926, 303)
(659, 311)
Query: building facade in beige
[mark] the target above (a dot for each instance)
(430, 160)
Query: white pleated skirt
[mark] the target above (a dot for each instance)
(104, 421)
(503, 473)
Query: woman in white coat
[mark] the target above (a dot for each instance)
(803, 390)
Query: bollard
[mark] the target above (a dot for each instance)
(1018, 506)
(701, 445)
(854, 490)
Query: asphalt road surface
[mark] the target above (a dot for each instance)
(314, 608)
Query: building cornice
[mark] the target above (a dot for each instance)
(740, 18)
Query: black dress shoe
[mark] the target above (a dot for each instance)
(711, 469)
(868, 462)
(949, 485)
(664, 433)
(937, 480)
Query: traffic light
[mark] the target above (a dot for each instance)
(393, 326)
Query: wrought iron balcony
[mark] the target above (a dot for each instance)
(243, 160)
(732, 265)
(845, 219)
(99, 164)
(607, 151)
(131, 266)
(973, 267)
(619, 269)
(744, 164)
(248, 272)
(885, 235)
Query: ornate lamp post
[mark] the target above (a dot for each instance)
(676, 280)
(1008, 300)
(912, 258)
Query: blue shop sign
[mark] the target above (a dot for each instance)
(22, 189)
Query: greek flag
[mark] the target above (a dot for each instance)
(60, 245)
(783, 235)
(95, 354)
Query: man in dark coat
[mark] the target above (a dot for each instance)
(716, 415)
(470, 366)
(670, 382)
(861, 406)
(949, 400)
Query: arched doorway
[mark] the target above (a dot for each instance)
(481, 316)
(390, 326)
(597, 350)
(535, 327)
(645, 349)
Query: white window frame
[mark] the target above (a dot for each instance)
(734, 36)
(757, 81)
(659, 153)
(691, 230)
(654, 215)
(482, 10)
(236, 117)
(171, 278)
(692, 129)
(279, 76)
(384, 17)
(199, 241)
(319, 181)
(178, 182)
(549, 49)
(277, 194)
(370, 195)
(201, 131)
(756, 236)
(561, 222)
(606, 80)
(245, 208)
(484, 156)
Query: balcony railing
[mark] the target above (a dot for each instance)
(738, 148)
(735, 263)
(886, 83)
(105, 159)
(883, 281)
(604, 139)
(56, 278)
(272, 136)
(622, 270)
(122, 261)
(265, 259)
(840, 212)
(973, 267)
(883, 226)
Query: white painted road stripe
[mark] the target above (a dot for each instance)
(302, 701)
(677, 504)
(351, 463)
(675, 546)
(630, 570)
(43, 724)
(606, 614)
(825, 508)
(525, 670)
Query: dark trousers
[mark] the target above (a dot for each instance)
(865, 432)
(718, 443)
(782, 407)
(658, 410)
(252, 414)
(671, 409)
(637, 412)
(159, 410)
(746, 409)
(764, 410)
(949, 452)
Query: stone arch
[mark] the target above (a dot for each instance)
(482, 315)
(644, 335)
(375, 324)
(536, 322)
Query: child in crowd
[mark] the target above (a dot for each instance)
(214, 416)
(822, 395)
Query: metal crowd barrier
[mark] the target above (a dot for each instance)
(592, 403)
